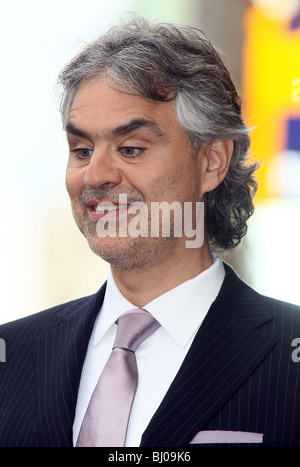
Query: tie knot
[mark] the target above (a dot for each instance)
(134, 327)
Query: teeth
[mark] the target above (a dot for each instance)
(108, 207)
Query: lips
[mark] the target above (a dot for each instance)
(98, 209)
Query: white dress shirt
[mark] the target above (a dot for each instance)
(180, 311)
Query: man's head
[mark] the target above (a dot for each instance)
(176, 66)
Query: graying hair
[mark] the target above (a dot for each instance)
(161, 61)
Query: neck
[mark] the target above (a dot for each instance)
(142, 285)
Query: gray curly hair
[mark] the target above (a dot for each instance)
(161, 61)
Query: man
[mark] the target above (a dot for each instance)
(151, 116)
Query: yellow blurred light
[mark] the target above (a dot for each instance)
(271, 68)
(278, 9)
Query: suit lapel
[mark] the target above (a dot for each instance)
(229, 345)
(60, 353)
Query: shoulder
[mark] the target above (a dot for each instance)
(39, 322)
(286, 317)
(241, 296)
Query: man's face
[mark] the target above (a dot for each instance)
(124, 144)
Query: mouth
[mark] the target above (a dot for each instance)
(98, 209)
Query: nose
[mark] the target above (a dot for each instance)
(102, 170)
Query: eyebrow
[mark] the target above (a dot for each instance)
(121, 130)
(137, 124)
(73, 130)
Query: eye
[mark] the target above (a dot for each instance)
(83, 153)
(131, 151)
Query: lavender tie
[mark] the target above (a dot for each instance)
(106, 418)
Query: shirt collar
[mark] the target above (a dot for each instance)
(180, 311)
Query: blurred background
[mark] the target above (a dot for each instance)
(44, 260)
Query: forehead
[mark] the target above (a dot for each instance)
(102, 104)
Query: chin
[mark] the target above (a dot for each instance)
(116, 251)
(126, 253)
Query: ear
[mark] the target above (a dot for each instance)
(216, 159)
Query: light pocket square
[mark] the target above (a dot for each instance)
(208, 437)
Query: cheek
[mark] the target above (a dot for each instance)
(179, 184)
(73, 183)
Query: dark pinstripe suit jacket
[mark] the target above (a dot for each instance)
(238, 374)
